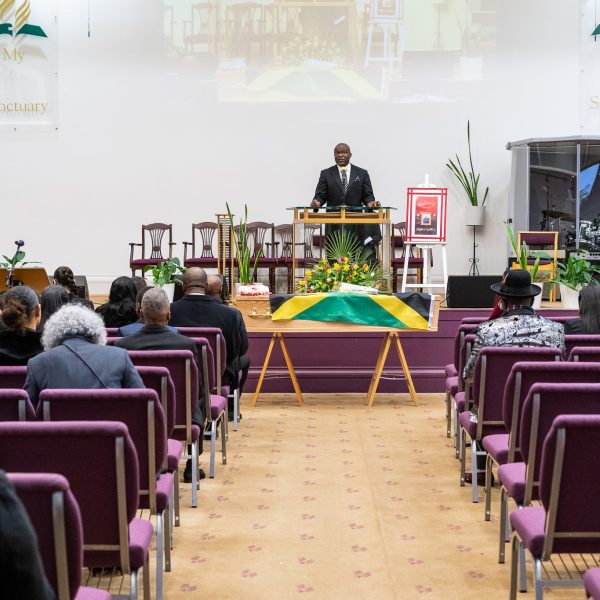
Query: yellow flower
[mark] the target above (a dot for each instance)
(345, 259)
(346, 267)
(309, 274)
(319, 267)
(328, 269)
(365, 268)
(336, 266)
(303, 282)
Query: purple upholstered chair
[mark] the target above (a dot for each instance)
(110, 341)
(571, 341)
(159, 380)
(504, 448)
(55, 516)
(15, 406)
(454, 382)
(568, 520)
(112, 332)
(184, 373)
(491, 371)
(474, 320)
(154, 234)
(591, 580)
(202, 251)
(215, 405)
(12, 377)
(462, 398)
(585, 354)
(140, 410)
(100, 462)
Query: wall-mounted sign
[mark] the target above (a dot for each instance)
(426, 214)
(28, 64)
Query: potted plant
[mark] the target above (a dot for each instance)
(470, 183)
(571, 276)
(243, 253)
(163, 275)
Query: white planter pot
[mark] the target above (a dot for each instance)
(475, 215)
(537, 302)
(169, 290)
(569, 297)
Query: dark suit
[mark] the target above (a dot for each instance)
(157, 337)
(135, 327)
(79, 363)
(201, 311)
(330, 193)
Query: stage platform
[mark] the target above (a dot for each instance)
(342, 362)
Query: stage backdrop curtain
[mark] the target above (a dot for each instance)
(402, 311)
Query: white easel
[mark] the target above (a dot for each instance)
(425, 247)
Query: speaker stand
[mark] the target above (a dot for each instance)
(474, 270)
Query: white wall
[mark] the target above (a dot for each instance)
(143, 140)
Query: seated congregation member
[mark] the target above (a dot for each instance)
(518, 325)
(53, 297)
(20, 341)
(196, 309)
(2, 325)
(135, 327)
(589, 313)
(120, 308)
(76, 356)
(214, 288)
(64, 276)
(155, 335)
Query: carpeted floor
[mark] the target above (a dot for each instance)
(336, 501)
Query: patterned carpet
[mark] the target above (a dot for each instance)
(335, 501)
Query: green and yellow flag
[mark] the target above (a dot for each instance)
(408, 310)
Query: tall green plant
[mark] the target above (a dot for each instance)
(242, 248)
(468, 179)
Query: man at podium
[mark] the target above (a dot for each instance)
(345, 184)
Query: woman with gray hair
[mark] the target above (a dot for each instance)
(21, 315)
(76, 356)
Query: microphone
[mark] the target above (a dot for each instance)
(19, 243)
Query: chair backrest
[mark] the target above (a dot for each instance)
(54, 514)
(112, 332)
(524, 375)
(471, 320)
(203, 233)
(15, 406)
(261, 237)
(217, 344)
(206, 372)
(580, 340)
(12, 377)
(313, 239)
(99, 461)
(459, 339)
(543, 404)
(139, 409)
(492, 368)
(284, 232)
(159, 380)
(465, 351)
(570, 486)
(538, 239)
(184, 373)
(155, 232)
(584, 354)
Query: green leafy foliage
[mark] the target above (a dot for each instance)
(163, 272)
(468, 179)
(243, 252)
(523, 255)
(17, 261)
(576, 272)
(347, 261)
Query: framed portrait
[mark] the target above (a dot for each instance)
(426, 214)
(382, 10)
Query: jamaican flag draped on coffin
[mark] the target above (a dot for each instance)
(409, 310)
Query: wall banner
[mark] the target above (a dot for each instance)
(28, 65)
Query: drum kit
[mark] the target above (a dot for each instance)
(589, 231)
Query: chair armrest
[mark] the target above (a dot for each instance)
(131, 249)
(185, 249)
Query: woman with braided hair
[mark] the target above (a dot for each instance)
(64, 276)
(21, 315)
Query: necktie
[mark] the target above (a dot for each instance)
(344, 180)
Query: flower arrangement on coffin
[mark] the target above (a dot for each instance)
(347, 261)
(254, 289)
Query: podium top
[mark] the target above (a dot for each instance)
(343, 206)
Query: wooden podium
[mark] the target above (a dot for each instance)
(342, 215)
(34, 277)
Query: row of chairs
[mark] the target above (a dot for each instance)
(170, 397)
(517, 394)
(272, 244)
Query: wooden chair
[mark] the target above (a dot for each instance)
(202, 254)
(261, 238)
(543, 241)
(154, 233)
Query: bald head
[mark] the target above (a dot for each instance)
(194, 281)
(214, 287)
(156, 309)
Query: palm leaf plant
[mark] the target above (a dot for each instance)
(468, 179)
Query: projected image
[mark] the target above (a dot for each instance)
(280, 50)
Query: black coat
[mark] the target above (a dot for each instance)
(330, 191)
(17, 348)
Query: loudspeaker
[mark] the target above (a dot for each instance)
(81, 287)
(471, 291)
